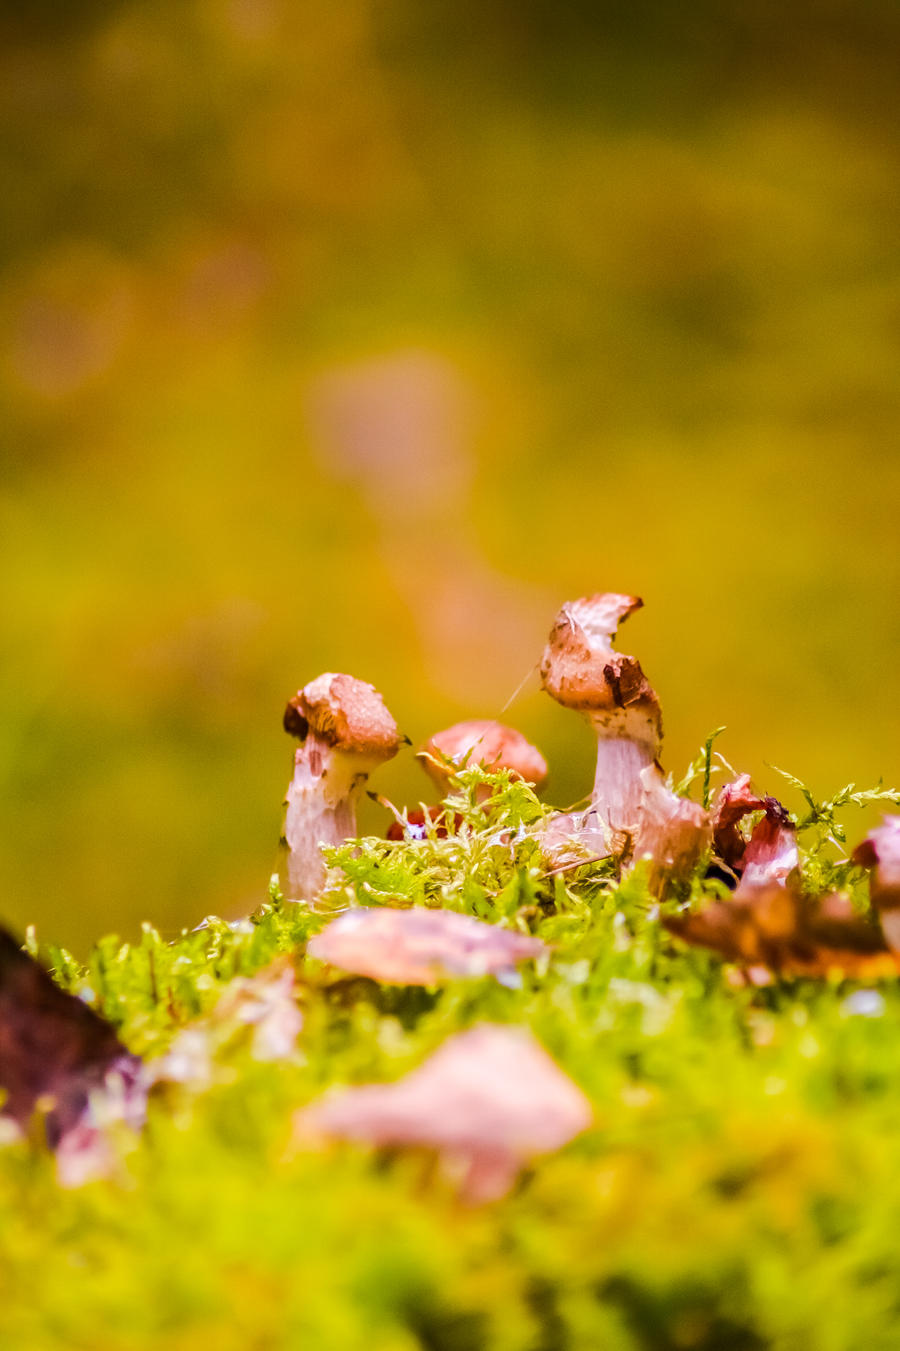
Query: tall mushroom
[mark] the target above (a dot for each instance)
(345, 732)
(580, 670)
(631, 808)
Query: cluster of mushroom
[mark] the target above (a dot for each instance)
(345, 731)
(489, 1100)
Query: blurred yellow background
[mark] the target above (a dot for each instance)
(359, 334)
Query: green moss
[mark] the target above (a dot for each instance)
(740, 1188)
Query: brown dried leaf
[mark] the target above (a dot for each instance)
(735, 801)
(776, 928)
(488, 1100)
(771, 853)
(419, 946)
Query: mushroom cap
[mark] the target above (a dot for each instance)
(483, 742)
(346, 713)
(580, 670)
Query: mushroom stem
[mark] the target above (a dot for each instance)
(321, 810)
(618, 788)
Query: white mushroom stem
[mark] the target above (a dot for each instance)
(321, 810)
(618, 788)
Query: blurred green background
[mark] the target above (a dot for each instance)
(359, 334)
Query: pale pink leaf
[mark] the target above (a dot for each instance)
(419, 946)
(488, 1100)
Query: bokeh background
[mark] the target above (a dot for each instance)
(359, 334)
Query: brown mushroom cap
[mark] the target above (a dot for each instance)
(580, 669)
(483, 742)
(346, 713)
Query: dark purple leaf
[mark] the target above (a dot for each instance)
(59, 1056)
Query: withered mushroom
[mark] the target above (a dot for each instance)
(345, 732)
(632, 809)
(580, 670)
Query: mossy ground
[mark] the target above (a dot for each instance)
(740, 1188)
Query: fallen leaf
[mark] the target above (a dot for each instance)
(771, 853)
(672, 833)
(59, 1057)
(488, 1100)
(263, 1006)
(419, 946)
(777, 928)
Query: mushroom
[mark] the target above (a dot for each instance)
(880, 850)
(632, 809)
(580, 670)
(345, 732)
(481, 741)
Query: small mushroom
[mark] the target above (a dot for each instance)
(481, 741)
(880, 851)
(345, 732)
(581, 671)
